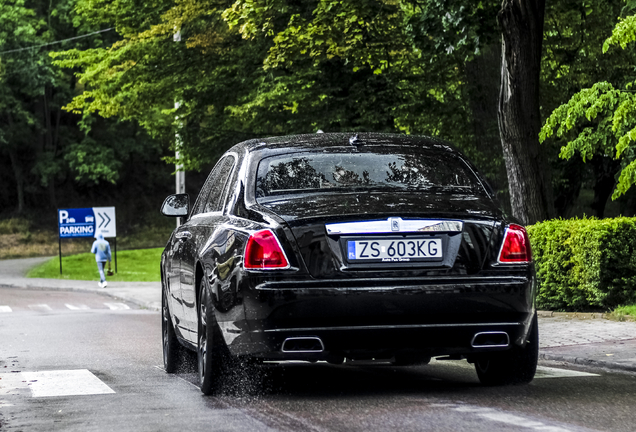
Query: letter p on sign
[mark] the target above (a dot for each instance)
(63, 216)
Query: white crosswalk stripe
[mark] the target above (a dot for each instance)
(76, 307)
(5, 309)
(40, 307)
(55, 383)
(117, 306)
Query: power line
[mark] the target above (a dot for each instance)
(56, 42)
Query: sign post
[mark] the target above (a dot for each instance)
(86, 222)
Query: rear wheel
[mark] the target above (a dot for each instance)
(209, 353)
(515, 366)
(172, 350)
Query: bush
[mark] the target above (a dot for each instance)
(14, 226)
(585, 264)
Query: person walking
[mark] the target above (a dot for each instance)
(101, 249)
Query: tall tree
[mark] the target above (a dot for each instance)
(529, 179)
(269, 67)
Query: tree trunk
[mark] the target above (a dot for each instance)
(521, 23)
(17, 169)
(19, 177)
(605, 170)
(49, 147)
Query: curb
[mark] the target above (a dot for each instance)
(579, 315)
(587, 362)
(583, 315)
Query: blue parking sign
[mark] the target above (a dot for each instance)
(76, 222)
(86, 222)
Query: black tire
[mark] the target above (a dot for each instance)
(172, 349)
(515, 366)
(210, 355)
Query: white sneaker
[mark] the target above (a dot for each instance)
(104, 284)
(99, 284)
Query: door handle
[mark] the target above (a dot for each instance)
(183, 235)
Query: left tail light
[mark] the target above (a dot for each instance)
(264, 252)
(516, 246)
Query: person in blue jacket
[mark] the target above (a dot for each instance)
(101, 249)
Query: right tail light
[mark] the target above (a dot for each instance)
(516, 246)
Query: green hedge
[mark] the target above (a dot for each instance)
(585, 264)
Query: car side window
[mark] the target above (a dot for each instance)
(212, 193)
(205, 190)
(230, 187)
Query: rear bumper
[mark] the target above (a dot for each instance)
(368, 319)
(383, 342)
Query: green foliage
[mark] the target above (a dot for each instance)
(585, 263)
(132, 266)
(601, 120)
(621, 311)
(254, 68)
(14, 226)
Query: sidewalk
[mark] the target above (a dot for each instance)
(144, 294)
(590, 340)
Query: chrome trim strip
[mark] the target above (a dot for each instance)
(391, 327)
(395, 225)
(472, 342)
(395, 284)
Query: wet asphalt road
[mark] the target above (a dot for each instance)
(120, 346)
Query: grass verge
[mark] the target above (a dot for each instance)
(141, 265)
(19, 238)
(624, 313)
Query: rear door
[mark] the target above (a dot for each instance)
(207, 214)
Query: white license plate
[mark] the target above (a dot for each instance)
(395, 250)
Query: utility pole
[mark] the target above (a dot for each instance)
(179, 172)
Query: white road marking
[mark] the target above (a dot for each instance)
(4, 404)
(502, 417)
(41, 307)
(511, 419)
(550, 372)
(542, 371)
(5, 309)
(76, 307)
(54, 383)
(117, 306)
(10, 381)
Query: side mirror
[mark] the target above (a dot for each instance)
(177, 205)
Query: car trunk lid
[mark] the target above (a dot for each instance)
(410, 233)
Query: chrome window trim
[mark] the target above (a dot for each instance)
(207, 214)
(395, 225)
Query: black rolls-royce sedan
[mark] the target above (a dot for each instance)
(348, 247)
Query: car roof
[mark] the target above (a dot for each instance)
(342, 139)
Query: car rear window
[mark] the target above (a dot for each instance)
(349, 171)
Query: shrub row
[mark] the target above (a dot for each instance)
(585, 264)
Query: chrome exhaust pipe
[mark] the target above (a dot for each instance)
(496, 339)
(310, 344)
